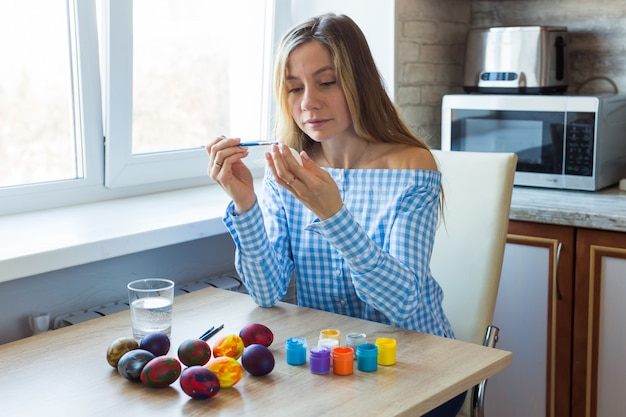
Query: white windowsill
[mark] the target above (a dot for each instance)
(44, 241)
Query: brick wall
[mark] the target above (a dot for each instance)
(430, 43)
(431, 40)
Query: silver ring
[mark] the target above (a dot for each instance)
(218, 164)
(291, 181)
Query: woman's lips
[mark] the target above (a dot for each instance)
(316, 123)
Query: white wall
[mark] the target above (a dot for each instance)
(94, 284)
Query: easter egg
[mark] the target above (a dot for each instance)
(157, 343)
(227, 370)
(256, 333)
(118, 348)
(132, 362)
(296, 155)
(160, 372)
(258, 360)
(194, 352)
(199, 382)
(230, 345)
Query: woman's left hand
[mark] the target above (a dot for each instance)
(313, 186)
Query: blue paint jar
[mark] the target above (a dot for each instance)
(295, 348)
(367, 357)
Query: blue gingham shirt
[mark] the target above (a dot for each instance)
(370, 260)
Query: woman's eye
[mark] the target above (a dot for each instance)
(329, 83)
(294, 89)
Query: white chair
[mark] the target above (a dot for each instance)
(469, 246)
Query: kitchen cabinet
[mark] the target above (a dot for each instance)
(534, 314)
(561, 310)
(599, 339)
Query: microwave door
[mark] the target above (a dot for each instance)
(536, 137)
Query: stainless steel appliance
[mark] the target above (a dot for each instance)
(517, 60)
(569, 142)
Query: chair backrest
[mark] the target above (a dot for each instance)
(469, 243)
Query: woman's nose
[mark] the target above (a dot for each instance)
(310, 101)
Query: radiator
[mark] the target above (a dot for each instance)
(229, 281)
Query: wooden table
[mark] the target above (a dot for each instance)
(64, 372)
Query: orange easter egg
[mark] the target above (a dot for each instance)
(227, 369)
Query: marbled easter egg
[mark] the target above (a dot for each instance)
(157, 343)
(160, 372)
(118, 348)
(229, 345)
(132, 363)
(227, 369)
(199, 382)
(258, 360)
(194, 352)
(256, 333)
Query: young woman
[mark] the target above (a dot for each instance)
(356, 219)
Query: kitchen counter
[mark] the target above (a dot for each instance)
(603, 209)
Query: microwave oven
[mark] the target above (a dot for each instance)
(566, 142)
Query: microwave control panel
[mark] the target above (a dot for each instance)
(579, 144)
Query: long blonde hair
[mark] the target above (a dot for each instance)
(374, 115)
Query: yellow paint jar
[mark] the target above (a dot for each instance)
(386, 350)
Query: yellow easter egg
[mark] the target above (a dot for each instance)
(227, 369)
(118, 348)
(229, 345)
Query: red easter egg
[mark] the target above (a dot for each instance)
(230, 345)
(227, 369)
(256, 333)
(199, 382)
(194, 352)
(160, 372)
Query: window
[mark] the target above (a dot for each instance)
(109, 98)
(36, 119)
(198, 71)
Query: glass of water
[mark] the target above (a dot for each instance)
(151, 302)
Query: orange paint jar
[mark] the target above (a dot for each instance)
(343, 360)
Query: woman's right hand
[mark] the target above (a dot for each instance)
(228, 170)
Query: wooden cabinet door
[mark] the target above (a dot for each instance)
(599, 347)
(534, 313)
